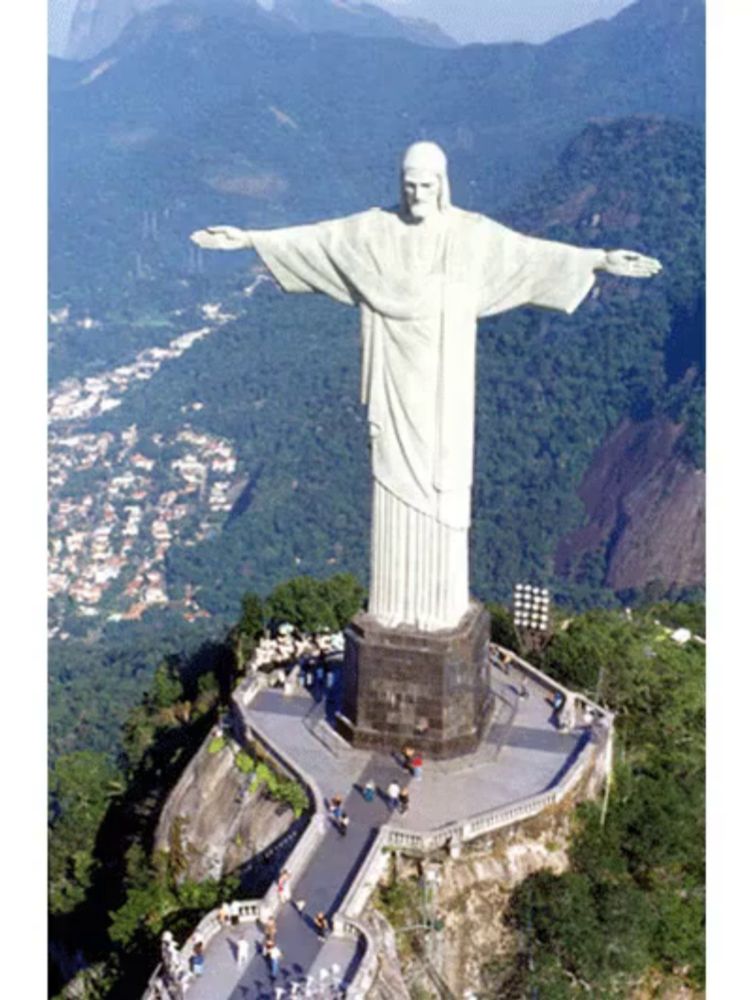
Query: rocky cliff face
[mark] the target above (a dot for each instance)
(219, 823)
(645, 506)
(473, 894)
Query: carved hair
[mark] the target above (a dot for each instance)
(430, 157)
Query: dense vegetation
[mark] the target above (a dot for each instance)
(632, 904)
(110, 898)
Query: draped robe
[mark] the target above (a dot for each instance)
(420, 289)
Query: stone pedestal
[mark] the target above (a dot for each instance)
(428, 689)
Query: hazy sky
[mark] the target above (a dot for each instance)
(59, 14)
(506, 20)
(465, 20)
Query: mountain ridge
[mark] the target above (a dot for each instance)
(258, 123)
(96, 25)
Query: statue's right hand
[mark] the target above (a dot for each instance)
(222, 238)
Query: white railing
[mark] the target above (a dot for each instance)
(365, 974)
(548, 682)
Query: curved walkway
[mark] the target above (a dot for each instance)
(523, 754)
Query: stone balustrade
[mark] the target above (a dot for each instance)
(548, 682)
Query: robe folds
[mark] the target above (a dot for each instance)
(421, 289)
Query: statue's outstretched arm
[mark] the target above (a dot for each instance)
(223, 238)
(629, 264)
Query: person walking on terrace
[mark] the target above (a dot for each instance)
(283, 886)
(321, 923)
(343, 823)
(273, 957)
(404, 799)
(242, 952)
(392, 794)
(335, 810)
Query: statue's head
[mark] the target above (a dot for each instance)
(424, 181)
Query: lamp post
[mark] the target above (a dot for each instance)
(531, 612)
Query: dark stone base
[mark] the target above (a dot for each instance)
(428, 689)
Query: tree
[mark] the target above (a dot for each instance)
(82, 785)
(166, 686)
(346, 595)
(304, 602)
(502, 626)
(635, 890)
(249, 628)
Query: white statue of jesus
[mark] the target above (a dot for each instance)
(422, 275)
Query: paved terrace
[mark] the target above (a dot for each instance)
(522, 754)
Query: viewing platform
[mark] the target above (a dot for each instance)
(524, 763)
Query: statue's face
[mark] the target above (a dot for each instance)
(421, 193)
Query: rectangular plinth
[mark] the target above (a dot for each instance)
(428, 689)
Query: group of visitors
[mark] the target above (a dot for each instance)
(413, 761)
(397, 794)
(286, 648)
(398, 798)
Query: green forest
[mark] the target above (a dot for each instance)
(633, 902)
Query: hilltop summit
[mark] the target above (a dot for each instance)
(98, 24)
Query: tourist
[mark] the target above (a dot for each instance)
(407, 756)
(343, 822)
(234, 910)
(224, 914)
(270, 929)
(404, 799)
(242, 952)
(369, 790)
(197, 959)
(273, 955)
(416, 765)
(283, 886)
(392, 794)
(321, 923)
(335, 808)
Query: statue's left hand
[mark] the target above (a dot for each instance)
(630, 264)
(221, 238)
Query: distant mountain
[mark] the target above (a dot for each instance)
(97, 24)
(223, 111)
(359, 19)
